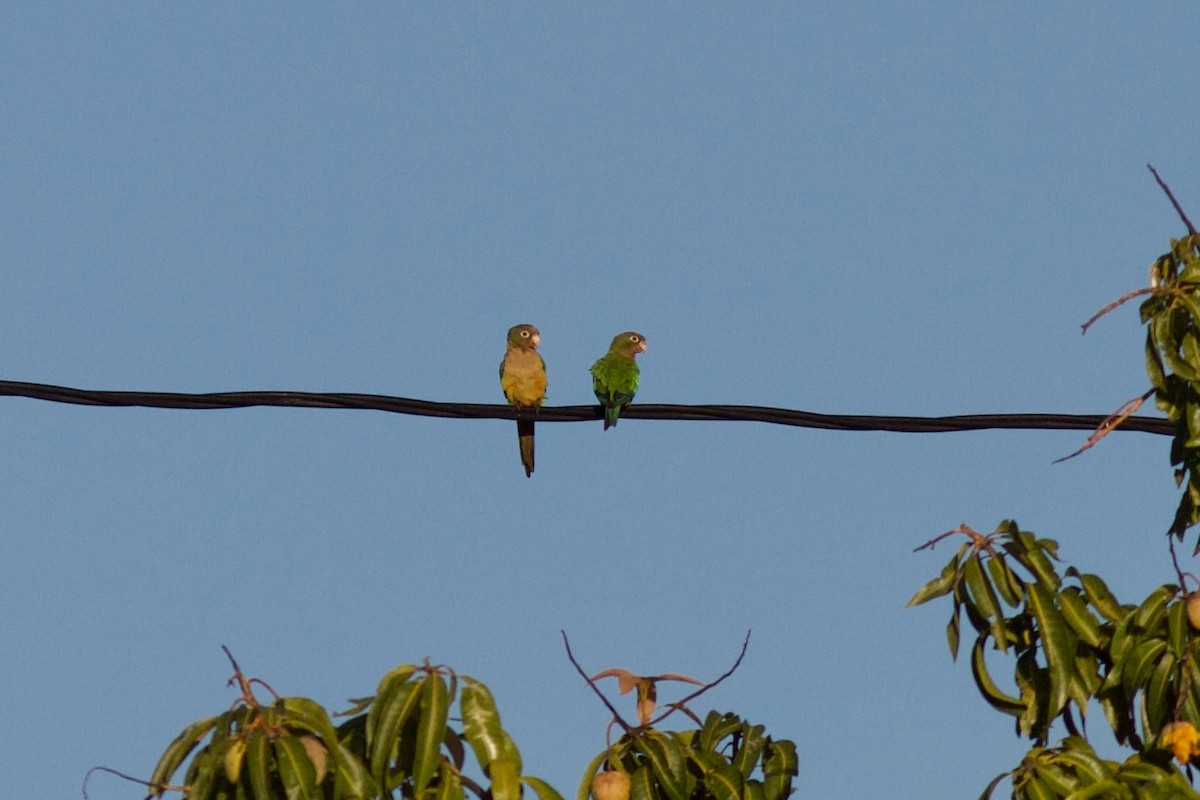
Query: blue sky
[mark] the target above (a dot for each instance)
(836, 207)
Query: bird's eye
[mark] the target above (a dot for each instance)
(635, 339)
(524, 334)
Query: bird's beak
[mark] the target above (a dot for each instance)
(537, 339)
(642, 346)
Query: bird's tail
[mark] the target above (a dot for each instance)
(525, 440)
(611, 414)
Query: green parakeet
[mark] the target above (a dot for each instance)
(615, 375)
(523, 379)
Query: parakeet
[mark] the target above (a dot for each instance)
(523, 379)
(615, 375)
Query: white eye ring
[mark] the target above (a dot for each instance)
(635, 339)
(525, 334)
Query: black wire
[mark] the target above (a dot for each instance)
(426, 408)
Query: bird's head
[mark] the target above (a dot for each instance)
(524, 337)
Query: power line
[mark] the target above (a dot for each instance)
(427, 408)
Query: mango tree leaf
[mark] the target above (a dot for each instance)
(543, 790)
(1151, 611)
(585, 785)
(780, 765)
(297, 772)
(449, 784)
(1058, 644)
(753, 740)
(954, 630)
(1076, 614)
(203, 771)
(992, 693)
(392, 708)
(481, 725)
(390, 685)
(353, 780)
(258, 766)
(176, 752)
(1010, 587)
(309, 715)
(1160, 696)
(641, 784)
(716, 727)
(721, 781)
(1101, 598)
(937, 587)
(668, 762)
(1177, 627)
(505, 775)
(435, 710)
(985, 600)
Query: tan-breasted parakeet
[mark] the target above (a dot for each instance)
(615, 375)
(523, 379)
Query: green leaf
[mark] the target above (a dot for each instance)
(985, 599)
(1030, 554)
(1010, 587)
(717, 727)
(1076, 614)
(1159, 697)
(177, 751)
(1097, 593)
(1154, 365)
(543, 790)
(353, 780)
(296, 769)
(937, 587)
(641, 784)
(1058, 644)
(745, 758)
(1078, 753)
(1177, 632)
(1151, 611)
(1140, 663)
(390, 685)
(953, 630)
(505, 776)
(449, 785)
(721, 780)
(392, 708)
(481, 725)
(435, 710)
(668, 762)
(585, 785)
(204, 769)
(780, 765)
(300, 712)
(258, 766)
(991, 692)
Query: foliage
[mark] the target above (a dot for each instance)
(400, 743)
(397, 743)
(1172, 317)
(1070, 642)
(724, 759)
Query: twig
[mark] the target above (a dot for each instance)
(1125, 298)
(681, 703)
(978, 540)
(243, 683)
(571, 657)
(1110, 424)
(1178, 210)
(151, 786)
(1175, 563)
